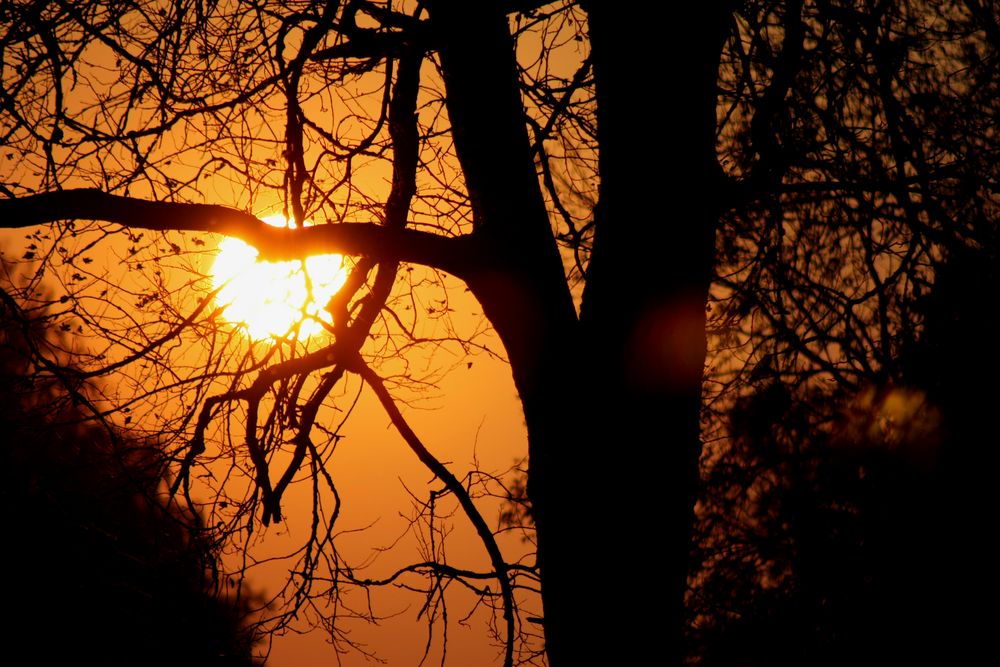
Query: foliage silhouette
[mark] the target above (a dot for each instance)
(838, 503)
(834, 525)
(100, 567)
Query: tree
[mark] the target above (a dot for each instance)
(834, 524)
(838, 502)
(100, 564)
(525, 155)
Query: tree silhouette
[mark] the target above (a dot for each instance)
(832, 525)
(585, 174)
(101, 566)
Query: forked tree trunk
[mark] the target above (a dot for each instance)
(611, 399)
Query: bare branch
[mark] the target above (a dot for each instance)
(386, 244)
(455, 486)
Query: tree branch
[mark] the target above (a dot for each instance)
(455, 255)
(431, 462)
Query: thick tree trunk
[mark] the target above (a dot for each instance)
(521, 284)
(612, 400)
(644, 304)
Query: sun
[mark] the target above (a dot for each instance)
(275, 299)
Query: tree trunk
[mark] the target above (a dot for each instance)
(645, 299)
(520, 282)
(611, 400)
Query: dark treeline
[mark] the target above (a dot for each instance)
(851, 527)
(848, 465)
(98, 569)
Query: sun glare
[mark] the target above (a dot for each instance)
(275, 299)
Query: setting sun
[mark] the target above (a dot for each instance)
(275, 299)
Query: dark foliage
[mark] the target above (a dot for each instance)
(846, 495)
(851, 527)
(98, 569)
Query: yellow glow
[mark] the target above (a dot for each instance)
(272, 299)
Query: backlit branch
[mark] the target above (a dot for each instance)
(455, 487)
(454, 255)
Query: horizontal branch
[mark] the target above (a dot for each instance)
(414, 34)
(367, 44)
(452, 254)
